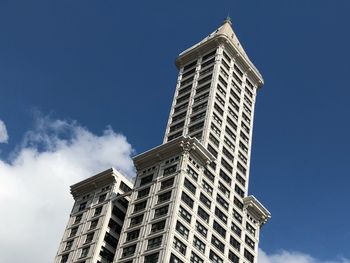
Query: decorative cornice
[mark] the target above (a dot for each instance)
(256, 209)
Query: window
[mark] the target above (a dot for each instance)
(234, 243)
(212, 150)
(192, 172)
(219, 229)
(129, 251)
(226, 165)
(220, 215)
(185, 215)
(118, 213)
(133, 235)
(222, 201)
(215, 258)
(89, 238)
(250, 229)
(143, 192)
(111, 240)
(69, 245)
(124, 187)
(84, 252)
(239, 191)
(78, 219)
(240, 179)
(147, 179)
(140, 206)
(195, 258)
(190, 65)
(238, 203)
(224, 190)
(152, 258)
(182, 229)
(82, 206)
(237, 216)
(159, 226)
(169, 170)
(227, 154)
(225, 177)
(164, 197)
(209, 175)
(167, 183)
(241, 168)
(64, 258)
(236, 229)
(154, 242)
(214, 140)
(102, 198)
(93, 224)
(136, 220)
(233, 257)
(161, 211)
(174, 259)
(207, 187)
(202, 214)
(201, 229)
(205, 200)
(190, 186)
(98, 210)
(73, 231)
(187, 200)
(249, 242)
(179, 246)
(249, 256)
(217, 243)
(199, 244)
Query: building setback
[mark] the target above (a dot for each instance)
(190, 201)
(96, 220)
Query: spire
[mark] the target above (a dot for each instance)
(228, 20)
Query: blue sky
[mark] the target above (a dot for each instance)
(111, 64)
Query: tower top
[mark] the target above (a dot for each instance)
(228, 20)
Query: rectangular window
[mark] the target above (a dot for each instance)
(140, 206)
(217, 243)
(174, 259)
(204, 200)
(129, 251)
(225, 177)
(233, 257)
(179, 246)
(187, 200)
(227, 154)
(249, 256)
(190, 186)
(224, 190)
(164, 197)
(169, 170)
(154, 242)
(202, 214)
(195, 258)
(161, 211)
(134, 221)
(182, 229)
(219, 229)
(237, 216)
(159, 226)
(236, 229)
(239, 191)
(133, 235)
(200, 245)
(167, 183)
(238, 203)
(209, 175)
(250, 242)
(240, 179)
(234, 243)
(226, 165)
(147, 179)
(84, 252)
(221, 201)
(201, 229)
(250, 229)
(185, 215)
(152, 258)
(221, 215)
(215, 258)
(142, 193)
(192, 172)
(93, 224)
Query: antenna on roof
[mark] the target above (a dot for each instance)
(228, 20)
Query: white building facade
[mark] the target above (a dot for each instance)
(96, 220)
(190, 200)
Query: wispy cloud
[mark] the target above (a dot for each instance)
(3, 133)
(34, 185)
(284, 256)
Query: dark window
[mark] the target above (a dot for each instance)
(249, 242)
(152, 258)
(143, 192)
(207, 187)
(136, 220)
(199, 244)
(159, 226)
(185, 215)
(187, 200)
(217, 243)
(169, 170)
(234, 243)
(222, 201)
(161, 211)
(209, 55)
(226, 165)
(190, 186)
(114, 226)
(214, 257)
(82, 206)
(218, 228)
(133, 235)
(147, 179)
(240, 179)
(89, 237)
(102, 197)
(250, 229)
(225, 177)
(205, 200)
(140, 206)
(238, 203)
(224, 190)
(174, 259)
(202, 214)
(93, 224)
(237, 216)
(195, 258)
(164, 197)
(249, 256)
(124, 187)
(182, 229)
(179, 246)
(118, 213)
(78, 219)
(98, 210)
(209, 175)
(190, 65)
(239, 191)
(220, 215)
(129, 251)
(232, 257)
(154, 242)
(201, 229)
(64, 258)
(111, 240)
(192, 172)
(236, 229)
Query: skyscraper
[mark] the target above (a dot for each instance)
(190, 200)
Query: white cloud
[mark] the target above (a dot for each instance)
(293, 257)
(34, 185)
(3, 133)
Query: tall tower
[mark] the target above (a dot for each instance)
(190, 200)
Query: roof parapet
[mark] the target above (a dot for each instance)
(256, 209)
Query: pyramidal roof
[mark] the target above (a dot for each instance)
(225, 31)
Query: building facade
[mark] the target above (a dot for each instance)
(190, 200)
(96, 220)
